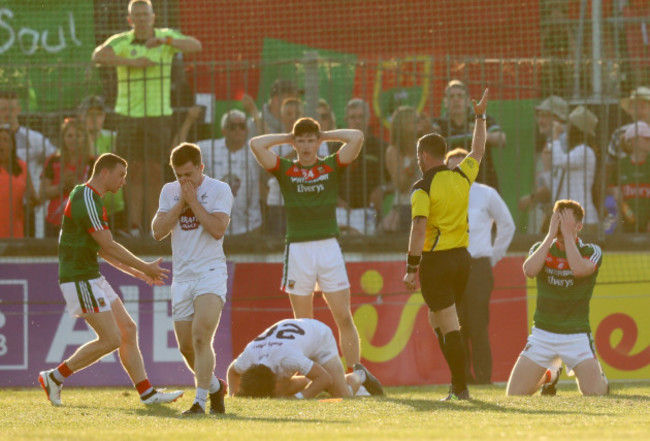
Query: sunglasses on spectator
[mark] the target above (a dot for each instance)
(233, 126)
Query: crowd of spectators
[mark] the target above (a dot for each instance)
(374, 192)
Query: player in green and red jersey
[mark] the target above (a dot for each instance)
(566, 269)
(313, 258)
(84, 235)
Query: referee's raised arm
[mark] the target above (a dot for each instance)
(480, 132)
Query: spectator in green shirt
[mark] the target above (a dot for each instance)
(143, 59)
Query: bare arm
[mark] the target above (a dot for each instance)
(352, 140)
(496, 139)
(479, 138)
(193, 115)
(233, 380)
(580, 266)
(535, 262)
(113, 251)
(416, 244)
(320, 380)
(261, 148)
(105, 55)
(248, 103)
(187, 44)
(130, 271)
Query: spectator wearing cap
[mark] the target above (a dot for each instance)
(228, 160)
(637, 107)
(632, 183)
(271, 114)
(457, 127)
(553, 110)
(31, 147)
(573, 170)
(92, 113)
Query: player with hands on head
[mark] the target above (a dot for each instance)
(565, 268)
(84, 235)
(439, 239)
(195, 210)
(313, 257)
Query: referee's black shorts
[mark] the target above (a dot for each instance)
(443, 277)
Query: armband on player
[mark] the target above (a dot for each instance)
(413, 260)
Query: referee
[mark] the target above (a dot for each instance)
(439, 240)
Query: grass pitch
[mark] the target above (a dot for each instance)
(405, 413)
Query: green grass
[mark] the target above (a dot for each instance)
(406, 413)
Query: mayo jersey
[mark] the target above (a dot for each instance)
(194, 250)
(563, 299)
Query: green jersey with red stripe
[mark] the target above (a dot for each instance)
(562, 298)
(84, 214)
(310, 197)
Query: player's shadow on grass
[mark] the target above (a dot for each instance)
(168, 412)
(475, 405)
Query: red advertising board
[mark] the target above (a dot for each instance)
(397, 343)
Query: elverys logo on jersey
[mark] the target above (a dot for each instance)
(188, 220)
(317, 173)
(309, 180)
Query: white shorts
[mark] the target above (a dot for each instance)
(185, 292)
(88, 296)
(314, 266)
(549, 349)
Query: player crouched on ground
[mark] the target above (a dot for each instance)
(566, 269)
(295, 358)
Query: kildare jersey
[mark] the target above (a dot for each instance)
(194, 250)
(562, 299)
(310, 196)
(289, 346)
(84, 214)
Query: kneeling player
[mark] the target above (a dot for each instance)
(566, 269)
(295, 357)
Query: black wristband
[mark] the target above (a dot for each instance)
(482, 116)
(413, 260)
(411, 268)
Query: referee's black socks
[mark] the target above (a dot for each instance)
(455, 356)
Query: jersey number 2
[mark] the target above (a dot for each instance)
(286, 332)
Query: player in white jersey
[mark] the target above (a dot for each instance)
(294, 357)
(195, 209)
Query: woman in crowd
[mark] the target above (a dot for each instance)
(15, 184)
(63, 170)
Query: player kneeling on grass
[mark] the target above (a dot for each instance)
(299, 358)
(566, 270)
